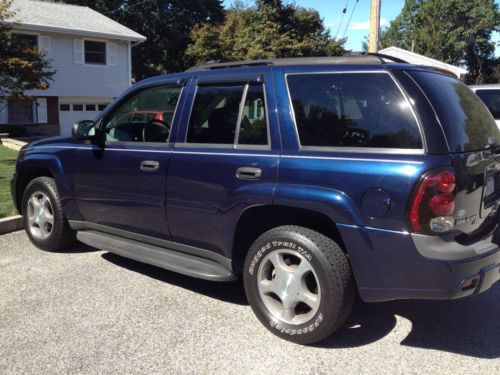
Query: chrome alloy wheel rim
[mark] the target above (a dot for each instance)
(288, 286)
(40, 215)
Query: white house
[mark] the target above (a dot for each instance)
(91, 54)
(417, 59)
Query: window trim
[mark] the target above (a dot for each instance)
(234, 145)
(352, 149)
(97, 65)
(112, 110)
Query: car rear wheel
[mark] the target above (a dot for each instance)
(299, 283)
(43, 216)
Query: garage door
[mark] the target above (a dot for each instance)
(69, 113)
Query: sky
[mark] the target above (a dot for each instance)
(331, 11)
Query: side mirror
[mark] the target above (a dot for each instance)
(83, 130)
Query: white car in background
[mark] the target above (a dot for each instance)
(490, 95)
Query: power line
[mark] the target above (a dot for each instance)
(350, 18)
(342, 18)
(126, 5)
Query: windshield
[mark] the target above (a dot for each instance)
(467, 123)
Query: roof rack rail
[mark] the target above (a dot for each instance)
(353, 58)
(212, 65)
(387, 57)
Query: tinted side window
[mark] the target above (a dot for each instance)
(467, 124)
(145, 117)
(214, 116)
(492, 100)
(352, 110)
(253, 128)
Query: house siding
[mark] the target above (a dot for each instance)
(80, 80)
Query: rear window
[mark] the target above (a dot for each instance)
(352, 110)
(492, 100)
(467, 123)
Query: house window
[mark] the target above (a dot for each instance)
(64, 107)
(90, 107)
(20, 111)
(95, 52)
(102, 107)
(77, 107)
(26, 39)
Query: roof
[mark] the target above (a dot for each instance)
(69, 19)
(368, 59)
(417, 59)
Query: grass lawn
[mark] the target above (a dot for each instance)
(7, 165)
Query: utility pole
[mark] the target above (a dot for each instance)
(374, 37)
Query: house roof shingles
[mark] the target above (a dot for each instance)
(69, 19)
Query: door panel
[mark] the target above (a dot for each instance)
(111, 188)
(120, 181)
(205, 198)
(232, 130)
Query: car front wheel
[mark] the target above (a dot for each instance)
(43, 216)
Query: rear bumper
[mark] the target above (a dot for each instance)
(388, 265)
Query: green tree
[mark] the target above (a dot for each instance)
(167, 24)
(453, 31)
(267, 30)
(22, 67)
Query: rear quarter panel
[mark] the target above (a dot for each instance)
(335, 182)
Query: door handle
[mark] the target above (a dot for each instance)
(150, 165)
(249, 173)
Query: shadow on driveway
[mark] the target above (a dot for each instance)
(231, 292)
(469, 326)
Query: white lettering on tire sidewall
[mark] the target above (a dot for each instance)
(271, 245)
(282, 328)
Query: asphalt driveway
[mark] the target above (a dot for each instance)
(86, 311)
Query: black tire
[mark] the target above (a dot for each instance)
(61, 235)
(332, 271)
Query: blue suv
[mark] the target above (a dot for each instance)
(313, 179)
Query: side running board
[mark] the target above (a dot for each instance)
(171, 260)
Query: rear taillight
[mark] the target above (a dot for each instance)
(433, 203)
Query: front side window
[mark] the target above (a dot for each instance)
(352, 110)
(218, 116)
(145, 117)
(492, 100)
(95, 52)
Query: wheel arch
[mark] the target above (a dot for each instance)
(38, 166)
(256, 220)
